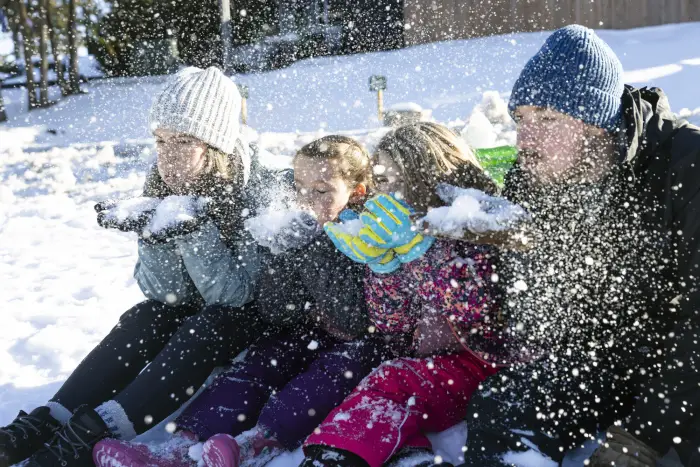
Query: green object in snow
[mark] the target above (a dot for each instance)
(497, 161)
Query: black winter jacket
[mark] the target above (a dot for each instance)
(664, 153)
(316, 280)
(618, 275)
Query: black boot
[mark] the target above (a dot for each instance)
(72, 445)
(416, 457)
(323, 456)
(26, 435)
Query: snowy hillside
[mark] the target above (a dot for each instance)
(64, 281)
(332, 93)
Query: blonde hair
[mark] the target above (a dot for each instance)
(358, 166)
(218, 167)
(428, 154)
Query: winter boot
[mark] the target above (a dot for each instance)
(253, 448)
(26, 435)
(172, 453)
(221, 451)
(324, 456)
(414, 457)
(72, 444)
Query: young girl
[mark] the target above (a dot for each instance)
(197, 271)
(287, 383)
(430, 288)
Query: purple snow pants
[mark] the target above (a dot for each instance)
(287, 383)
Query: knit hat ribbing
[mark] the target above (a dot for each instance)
(201, 103)
(576, 73)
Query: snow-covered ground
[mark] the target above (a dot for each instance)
(64, 281)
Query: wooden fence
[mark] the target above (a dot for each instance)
(435, 20)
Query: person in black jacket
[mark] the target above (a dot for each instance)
(605, 305)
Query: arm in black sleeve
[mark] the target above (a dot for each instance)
(671, 400)
(336, 285)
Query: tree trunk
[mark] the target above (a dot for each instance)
(3, 114)
(14, 26)
(53, 37)
(28, 46)
(43, 55)
(73, 73)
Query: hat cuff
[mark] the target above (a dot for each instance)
(590, 105)
(202, 131)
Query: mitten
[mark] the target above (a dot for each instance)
(387, 224)
(297, 229)
(353, 246)
(129, 215)
(387, 264)
(176, 217)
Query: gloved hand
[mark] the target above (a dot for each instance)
(128, 215)
(299, 229)
(621, 449)
(387, 224)
(496, 214)
(348, 243)
(387, 264)
(176, 217)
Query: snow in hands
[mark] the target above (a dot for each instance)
(473, 211)
(175, 209)
(280, 229)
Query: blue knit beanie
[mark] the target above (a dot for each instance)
(575, 73)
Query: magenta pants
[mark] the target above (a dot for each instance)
(401, 401)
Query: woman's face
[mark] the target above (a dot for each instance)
(387, 175)
(181, 157)
(321, 187)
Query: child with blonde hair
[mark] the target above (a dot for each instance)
(431, 289)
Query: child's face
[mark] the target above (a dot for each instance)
(180, 157)
(387, 175)
(321, 187)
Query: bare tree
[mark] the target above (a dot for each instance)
(73, 73)
(3, 113)
(13, 22)
(53, 37)
(43, 54)
(28, 46)
(15, 40)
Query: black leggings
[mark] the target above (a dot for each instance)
(181, 346)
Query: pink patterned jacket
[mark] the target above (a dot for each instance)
(453, 278)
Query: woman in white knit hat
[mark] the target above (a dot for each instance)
(197, 267)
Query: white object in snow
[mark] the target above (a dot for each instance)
(405, 113)
(405, 107)
(479, 132)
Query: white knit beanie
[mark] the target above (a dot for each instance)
(201, 103)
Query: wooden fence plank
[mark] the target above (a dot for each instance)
(454, 19)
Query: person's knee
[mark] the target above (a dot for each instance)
(148, 311)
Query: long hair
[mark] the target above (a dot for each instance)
(428, 154)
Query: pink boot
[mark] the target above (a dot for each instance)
(250, 449)
(221, 451)
(172, 453)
